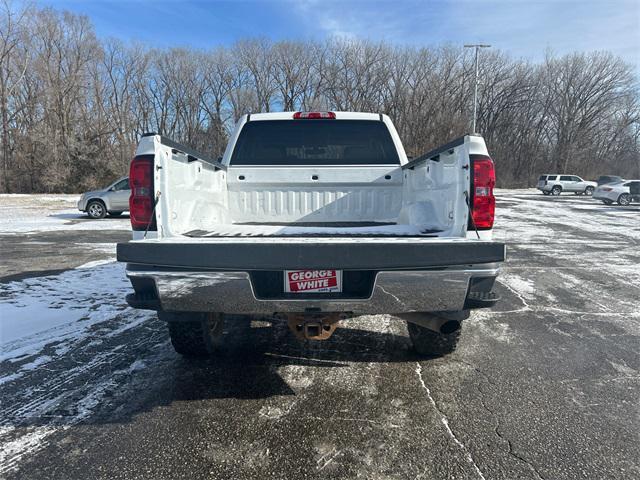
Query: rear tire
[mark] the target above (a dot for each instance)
(429, 343)
(545, 192)
(624, 199)
(557, 190)
(589, 191)
(194, 334)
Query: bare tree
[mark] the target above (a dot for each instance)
(13, 31)
(257, 60)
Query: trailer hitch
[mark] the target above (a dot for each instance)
(313, 325)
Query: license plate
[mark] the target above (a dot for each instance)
(312, 281)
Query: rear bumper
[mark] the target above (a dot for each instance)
(277, 253)
(393, 292)
(228, 275)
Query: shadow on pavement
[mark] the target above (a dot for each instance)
(246, 367)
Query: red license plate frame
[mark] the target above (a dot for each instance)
(313, 281)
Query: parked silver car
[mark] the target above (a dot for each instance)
(624, 192)
(112, 200)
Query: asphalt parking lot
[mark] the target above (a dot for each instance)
(544, 386)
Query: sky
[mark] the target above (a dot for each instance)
(524, 28)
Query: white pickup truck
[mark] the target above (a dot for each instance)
(312, 218)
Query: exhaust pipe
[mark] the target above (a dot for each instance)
(436, 323)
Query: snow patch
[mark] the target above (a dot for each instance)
(13, 450)
(46, 213)
(95, 263)
(37, 311)
(521, 286)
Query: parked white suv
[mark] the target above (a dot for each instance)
(555, 184)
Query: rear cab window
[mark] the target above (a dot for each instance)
(314, 142)
(542, 177)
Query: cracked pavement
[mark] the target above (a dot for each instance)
(543, 386)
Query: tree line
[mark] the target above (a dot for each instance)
(72, 106)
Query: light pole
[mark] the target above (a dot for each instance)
(477, 46)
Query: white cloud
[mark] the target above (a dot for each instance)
(523, 28)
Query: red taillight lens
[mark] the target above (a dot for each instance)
(483, 203)
(313, 115)
(141, 200)
(606, 189)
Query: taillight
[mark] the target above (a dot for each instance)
(313, 115)
(482, 201)
(141, 201)
(606, 189)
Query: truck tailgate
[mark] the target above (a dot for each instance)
(310, 253)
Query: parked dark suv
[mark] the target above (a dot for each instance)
(604, 179)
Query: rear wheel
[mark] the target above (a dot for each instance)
(194, 334)
(96, 209)
(557, 190)
(430, 343)
(546, 192)
(624, 199)
(589, 191)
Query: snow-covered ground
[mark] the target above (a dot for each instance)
(562, 226)
(43, 213)
(47, 307)
(44, 318)
(524, 215)
(37, 311)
